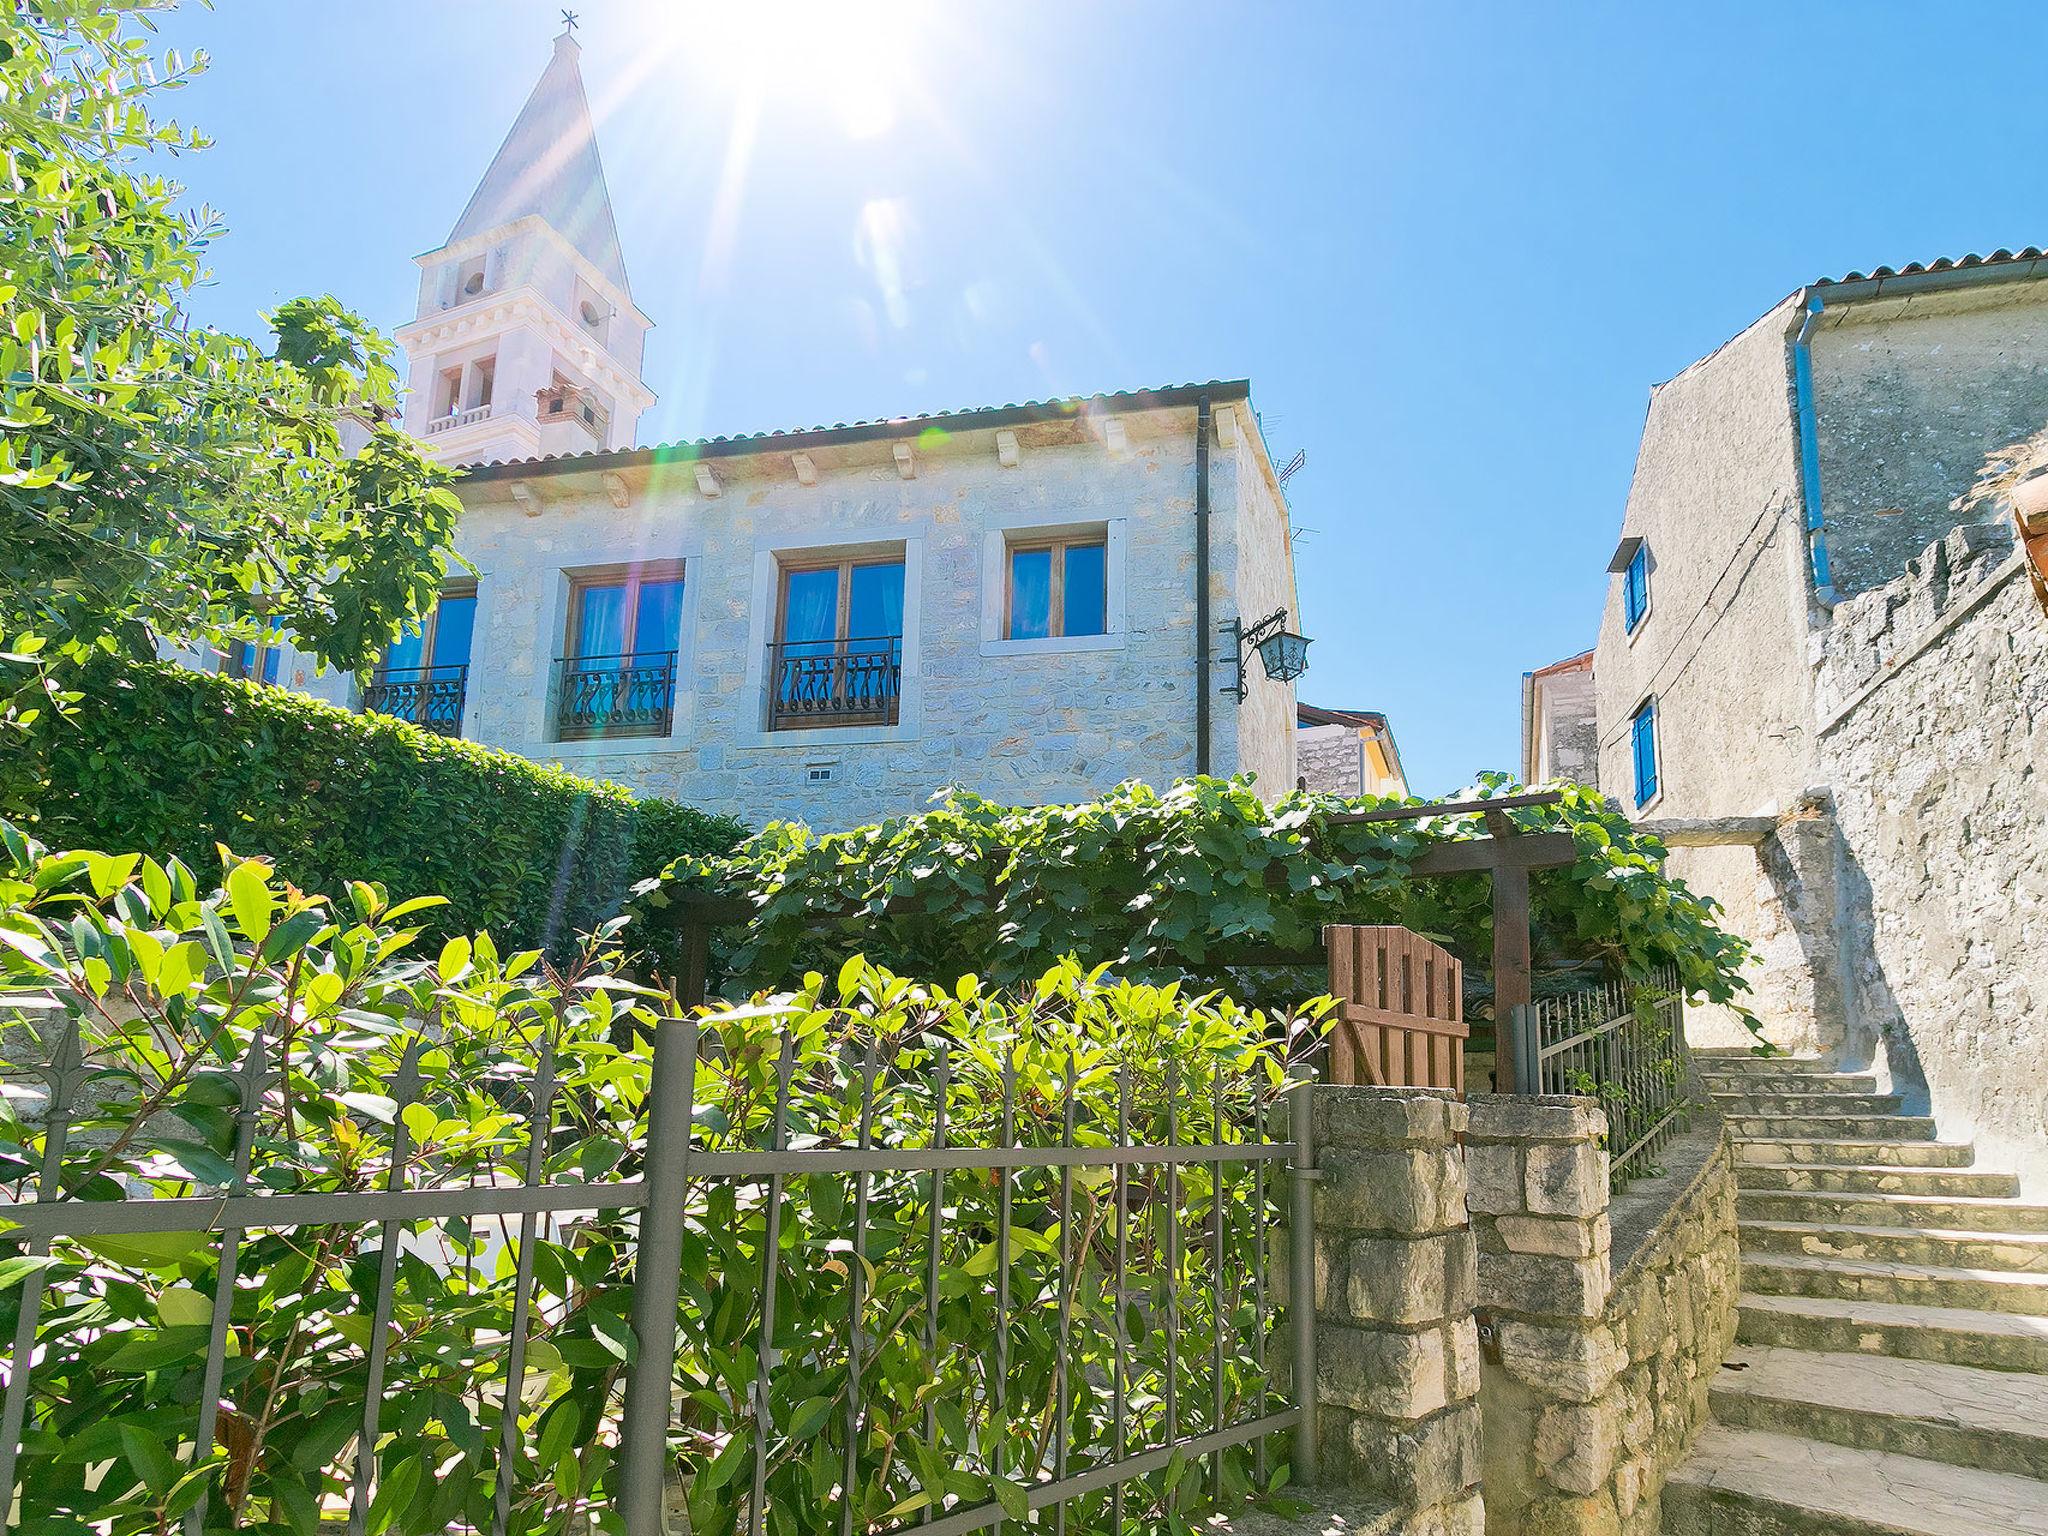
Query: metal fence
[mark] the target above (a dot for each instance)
(1622, 1043)
(949, 1327)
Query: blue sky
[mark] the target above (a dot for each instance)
(1452, 247)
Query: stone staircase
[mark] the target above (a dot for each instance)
(1891, 1371)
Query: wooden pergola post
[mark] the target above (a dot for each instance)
(1508, 856)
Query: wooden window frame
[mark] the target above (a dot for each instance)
(1056, 614)
(430, 626)
(632, 576)
(842, 601)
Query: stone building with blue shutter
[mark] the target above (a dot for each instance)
(1822, 674)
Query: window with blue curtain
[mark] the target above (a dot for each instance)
(1635, 588)
(1642, 731)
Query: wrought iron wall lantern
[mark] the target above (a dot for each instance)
(1282, 653)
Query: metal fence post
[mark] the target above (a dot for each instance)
(1301, 1269)
(657, 1279)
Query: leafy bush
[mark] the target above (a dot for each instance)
(159, 757)
(168, 987)
(1169, 885)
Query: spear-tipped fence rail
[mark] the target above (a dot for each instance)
(1622, 1043)
(1114, 1425)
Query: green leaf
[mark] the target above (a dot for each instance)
(182, 1307)
(809, 1417)
(251, 899)
(1015, 1501)
(146, 1250)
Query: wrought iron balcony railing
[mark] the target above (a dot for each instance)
(430, 697)
(633, 694)
(834, 682)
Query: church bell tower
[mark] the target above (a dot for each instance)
(527, 342)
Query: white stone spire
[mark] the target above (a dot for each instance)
(549, 166)
(526, 341)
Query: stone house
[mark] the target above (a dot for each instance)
(1035, 601)
(1821, 675)
(1348, 752)
(1560, 730)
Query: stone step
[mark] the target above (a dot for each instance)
(1715, 1058)
(1876, 1179)
(1997, 1420)
(1918, 1285)
(1755, 1102)
(1839, 1127)
(1999, 1341)
(2016, 1252)
(1787, 1082)
(1747, 1482)
(1866, 1209)
(1792, 1149)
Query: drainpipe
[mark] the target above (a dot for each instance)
(1809, 453)
(1202, 585)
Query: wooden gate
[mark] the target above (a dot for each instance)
(1400, 1019)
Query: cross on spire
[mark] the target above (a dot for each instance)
(570, 21)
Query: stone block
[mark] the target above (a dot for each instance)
(1420, 1465)
(1557, 1360)
(1462, 1356)
(1565, 1180)
(1541, 1285)
(1465, 1517)
(1577, 1445)
(1389, 1375)
(1493, 1177)
(1408, 1281)
(1555, 1515)
(1412, 1191)
(1552, 1117)
(1568, 1237)
(1373, 1118)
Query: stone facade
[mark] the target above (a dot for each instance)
(1912, 395)
(1595, 1365)
(1397, 1366)
(1023, 721)
(1935, 734)
(1348, 752)
(1911, 387)
(1561, 723)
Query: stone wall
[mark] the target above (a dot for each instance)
(1027, 722)
(1912, 395)
(1331, 758)
(1595, 1361)
(1397, 1375)
(1934, 693)
(1715, 496)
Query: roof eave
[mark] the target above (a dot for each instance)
(984, 419)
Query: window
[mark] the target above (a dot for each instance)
(424, 677)
(1642, 736)
(1635, 588)
(618, 670)
(258, 661)
(837, 657)
(1055, 588)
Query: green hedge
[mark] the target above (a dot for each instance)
(155, 756)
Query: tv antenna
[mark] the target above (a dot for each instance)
(1293, 466)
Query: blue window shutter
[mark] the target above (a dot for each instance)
(1643, 741)
(1635, 587)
